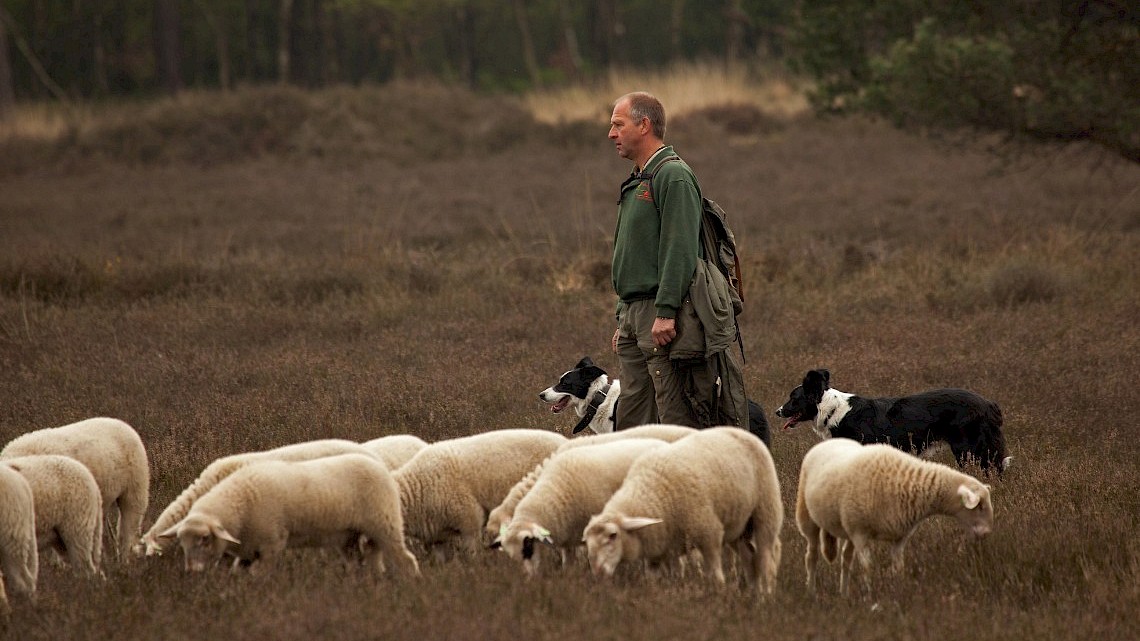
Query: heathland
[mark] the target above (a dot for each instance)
(230, 272)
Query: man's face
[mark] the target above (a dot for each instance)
(625, 132)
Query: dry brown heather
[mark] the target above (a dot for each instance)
(235, 273)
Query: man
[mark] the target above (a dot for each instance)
(657, 252)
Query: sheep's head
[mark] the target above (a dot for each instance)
(203, 539)
(610, 539)
(975, 510)
(496, 521)
(518, 540)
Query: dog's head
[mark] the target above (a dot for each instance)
(574, 385)
(803, 402)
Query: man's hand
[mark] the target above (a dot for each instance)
(613, 341)
(664, 331)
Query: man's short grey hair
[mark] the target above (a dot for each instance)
(644, 105)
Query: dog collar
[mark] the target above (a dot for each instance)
(592, 410)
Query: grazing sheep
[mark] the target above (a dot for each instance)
(69, 509)
(714, 488)
(573, 486)
(258, 511)
(395, 450)
(152, 543)
(115, 456)
(504, 512)
(19, 558)
(448, 488)
(851, 494)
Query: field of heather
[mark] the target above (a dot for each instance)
(233, 273)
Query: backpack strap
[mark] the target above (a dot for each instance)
(648, 175)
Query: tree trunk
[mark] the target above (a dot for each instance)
(326, 13)
(529, 57)
(221, 45)
(249, 29)
(607, 27)
(7, 92)
(570, 40)
(284, 29)
(736, 21)
(465, 24)
(166, 46)
(99, 54)
(676, 22)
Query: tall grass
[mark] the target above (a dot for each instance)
(685, 87)
(269, 298)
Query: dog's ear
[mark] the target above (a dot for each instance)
(816, 382)
(585, 362)
(826, 378)
(592, 373)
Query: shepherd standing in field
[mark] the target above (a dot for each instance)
(669, 373)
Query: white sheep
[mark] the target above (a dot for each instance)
(395, 450)
(504, 512)
(258, 511)
(714, 488)
(851, 494)
(115, 456)
(152, 543)
(574, 485)
(448, 488)
(69, 509)
(19, 558)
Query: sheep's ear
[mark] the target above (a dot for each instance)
(631, 523)
(970, 498)
(542, 534)
(171, 533)
(498, 542)
(222, 534)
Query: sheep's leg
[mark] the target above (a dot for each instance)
(96, 542)
(766, 563)
(392, 549)
(897, 557)
(811, 535)
(846, 564)
(711, 546)
(863, 552)
(131, 509)
(20, 569)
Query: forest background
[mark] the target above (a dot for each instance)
(382, 218)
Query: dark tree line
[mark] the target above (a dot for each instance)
(140, 47)
(1063, 69)
(1060, 70)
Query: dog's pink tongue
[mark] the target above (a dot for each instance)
(791, 422)
(560, 405)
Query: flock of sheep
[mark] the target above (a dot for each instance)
(664, 495)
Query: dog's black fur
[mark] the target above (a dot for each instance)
(967, 422)
(576, 383)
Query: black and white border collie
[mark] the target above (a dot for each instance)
(588, 389)
(967, 422)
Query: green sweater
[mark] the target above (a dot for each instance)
(657, 242)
